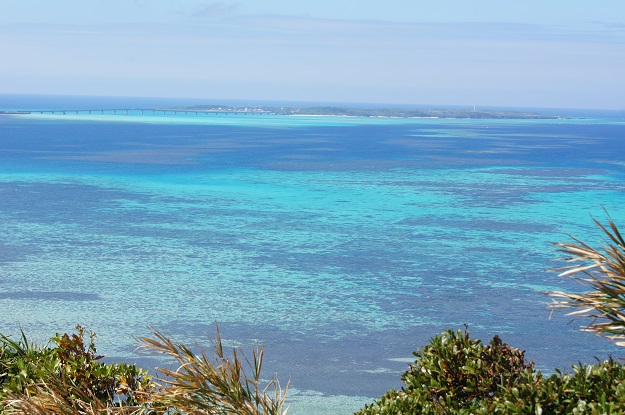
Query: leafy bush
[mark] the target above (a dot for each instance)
(590, 389)
(455, 374)
(23, 363)
(72, 369)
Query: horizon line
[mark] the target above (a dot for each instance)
(360, 104)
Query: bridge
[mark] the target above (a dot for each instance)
(143, 111)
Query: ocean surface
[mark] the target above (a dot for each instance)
(339, 244)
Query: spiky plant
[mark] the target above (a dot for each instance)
(218, 385)
(22, 363)
(63, 396)
(603, 270)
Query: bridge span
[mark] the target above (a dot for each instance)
(143, 111)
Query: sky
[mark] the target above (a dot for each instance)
(534, 53)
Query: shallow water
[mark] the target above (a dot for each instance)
(340, 244)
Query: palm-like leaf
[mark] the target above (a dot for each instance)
(219, 385)
(603, 270)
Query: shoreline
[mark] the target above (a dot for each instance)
(346, 112)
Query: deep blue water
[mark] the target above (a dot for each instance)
(340, 244)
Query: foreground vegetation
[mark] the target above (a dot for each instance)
(456, 374)
(67, 377)
(452, 374)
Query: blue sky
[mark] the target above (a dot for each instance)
(547, 53)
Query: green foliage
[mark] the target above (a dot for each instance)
(590, 389)
(455, 374)
(456, 367)
(71, 368)
(117, 382)
(23, 364)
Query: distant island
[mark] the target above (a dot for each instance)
(369, 112)
(312, 111)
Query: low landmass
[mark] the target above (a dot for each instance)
(370, 112)
(315, 111)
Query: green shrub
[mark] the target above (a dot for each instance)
(590, 389)
(454, 373)
(71, 369)
(457, 375)
(118, 382)
(23, 364)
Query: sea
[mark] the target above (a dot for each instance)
(339, 244)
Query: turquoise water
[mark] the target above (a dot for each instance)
(340, 244)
